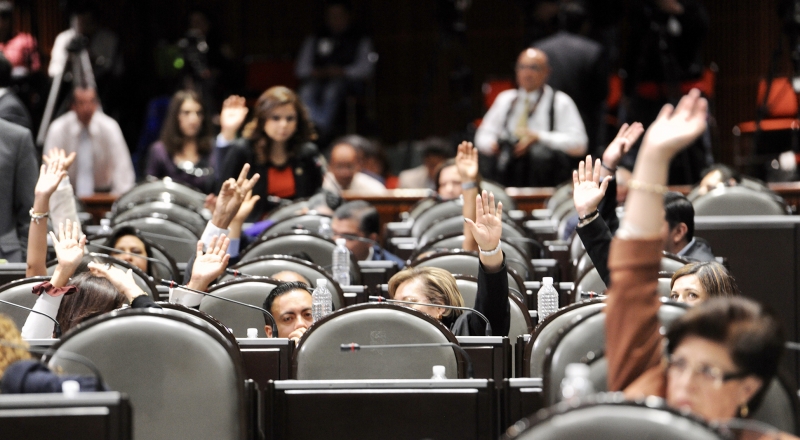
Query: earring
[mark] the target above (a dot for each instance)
(744, 410)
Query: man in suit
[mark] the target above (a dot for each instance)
(579, 69)
(359, 219)
(11, 107)
(18, 174)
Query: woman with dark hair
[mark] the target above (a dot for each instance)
(278, 147)
(721, 355)
(127, 240)
(698, 282)
(184, 152)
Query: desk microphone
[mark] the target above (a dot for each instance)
(57, 328)
(172, 284)
(380, 299)
(45, 352)
(353, 347)
(117, 251)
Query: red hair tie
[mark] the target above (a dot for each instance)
(48, 288)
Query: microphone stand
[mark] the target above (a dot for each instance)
(274, 325)
(57, 328)
(380, 299)
(353, 347)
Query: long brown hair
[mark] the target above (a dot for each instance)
(271, 99)
(438, 285)
(171, 135)
(95, 296)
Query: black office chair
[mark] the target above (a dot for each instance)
(609, 416)
(184, 378)
(739, 200)
(165, 189)
(236, 317)
(186, 215)
(172, 308)
(319, 356)
(19, 292)
(287, 210)
(308, 222)
(450, 208)
(179, 239)
(520, 319)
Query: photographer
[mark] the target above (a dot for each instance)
(534, 132)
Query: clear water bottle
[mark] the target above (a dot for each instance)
(576, 384)
(547, 303)
(325, 227)
(105, 226)
(341, 263)
(321, 305)
(439, 373)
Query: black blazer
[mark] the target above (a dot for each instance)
(18, 175)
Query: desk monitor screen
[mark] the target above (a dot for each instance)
(385, 409)
(88, 416)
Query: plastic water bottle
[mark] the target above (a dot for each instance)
(547, 303)
(70, 388)
(341, 263)
(321, 300)
(325, 227)
(252, 333)
(576, 385)
(105, 226)
(438, 373)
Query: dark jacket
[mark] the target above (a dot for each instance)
(32, 376)
(307, 168)
(18, 175)
(491, 301)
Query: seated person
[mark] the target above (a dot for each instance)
(128, 241)
(433, 286)
(345, 170)
(359, 223)
(21, 374)
(700, 281)
(434, 152)
(290, 304)
(716, 176)
(290, 276)
(718, 359)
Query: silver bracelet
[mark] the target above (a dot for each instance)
(468, 185)
(491, 252)
(35, 216)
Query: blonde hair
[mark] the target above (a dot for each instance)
(438, 285)
(8, 355)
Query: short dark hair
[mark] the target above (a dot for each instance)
(279, 290)
(678, 209)
(361, 144)
(727, 173)
(120, 232)
(436, 146)
(751, 334)
(366, 215)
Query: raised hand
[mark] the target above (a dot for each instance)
(588, 191)
(234, 111)
(246, 208)
(209, 266)
(120, 279)
(626, 137)
(467, 162)
(675, 128)
(69, 246)
(59, 155)
(50, 176)
(488, 225)
(231, 196)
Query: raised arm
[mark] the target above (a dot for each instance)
(492, 297)
(234, 111)
(592, 229)
(467, 164)
(50, 176)
(626, 137)
(634, 342)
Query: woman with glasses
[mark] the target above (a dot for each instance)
(721, 355)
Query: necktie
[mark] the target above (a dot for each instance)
(522, 123)
(84, 186)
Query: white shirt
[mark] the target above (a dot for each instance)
(361, 184)
(568, 135)
(111, 165)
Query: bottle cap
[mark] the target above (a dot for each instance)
(577, 370)
(252, 333)
(70, 388)
(341, 241)
(105, 222)
(438, 370)
(547, 280)
(322, 282)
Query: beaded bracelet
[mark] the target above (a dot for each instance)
(491, 252)
(654, 188)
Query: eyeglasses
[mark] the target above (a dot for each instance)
(534, 67)
(707, 375)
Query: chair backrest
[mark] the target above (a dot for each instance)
(520, 319)
(19, 292)
(166, 270)
(609, 416)
(562, 194)
(183, 214)
(176, 238)
(238, 318)
(319, 357)
(309, 222)
(548, 330)
(421, 206)
(738, 200)
(782, 102)
(269, 265)
(164, 189)
(198, 391)
(779, 407)
(466, 263)
(424, 220)
(500, 194)
(318, 248)
(585, 339)
(142, 279)
(288, 210)
(212, 322)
